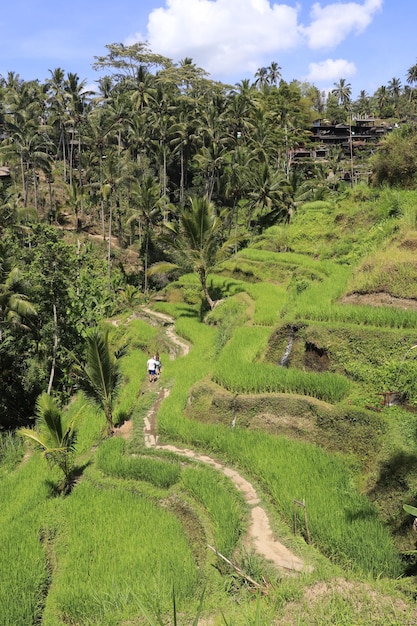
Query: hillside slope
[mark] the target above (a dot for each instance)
(282, 383)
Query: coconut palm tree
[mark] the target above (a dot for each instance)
(412, 75)
(15, 308)
(55, 434)
(100, 376)
(343, 92)
(149, 202)
(394, 88)
(362, 104)
(195, 241)
(261, 77)
(274, 73)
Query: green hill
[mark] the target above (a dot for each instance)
(284, 384)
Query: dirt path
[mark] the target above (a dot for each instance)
(259, 535)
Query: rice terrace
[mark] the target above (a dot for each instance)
(268, 474)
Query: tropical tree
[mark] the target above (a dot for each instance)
(147, 198)
(27, 141)
(100, 376)
(395, 162)
(77, 105)
(382, 101)
(274, 73)
(362, 105)
(195, 241)
(124, 61)
(55, 434)
(15, 307)
(264, 194)
(394, 88)
(343, 92)
(261, 77)
(412, 75)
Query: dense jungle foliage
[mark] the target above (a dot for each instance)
(122, 163)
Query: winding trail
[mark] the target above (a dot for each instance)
(259, 535)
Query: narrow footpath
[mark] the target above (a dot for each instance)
(259, 535)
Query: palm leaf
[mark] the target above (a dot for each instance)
(100, 377)
(164, 267)
(410, 509)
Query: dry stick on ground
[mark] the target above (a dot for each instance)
(236, 568)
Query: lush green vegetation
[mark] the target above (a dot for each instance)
(296, 293)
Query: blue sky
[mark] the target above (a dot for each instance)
(367, 42)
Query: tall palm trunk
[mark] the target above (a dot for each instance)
(54, 351)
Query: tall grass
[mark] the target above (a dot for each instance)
(11, 451)
(112, 460)
(24, 571)
(237, 370)
(391, 270)
(362, 315)
(269, 302)
(222, 502)
(134, 371)
(116, 551)
(342, 522)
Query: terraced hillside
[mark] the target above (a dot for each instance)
(282, 386)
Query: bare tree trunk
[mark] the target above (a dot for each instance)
(145, 268)
(54, 351)
(35, 189)
(109, 248)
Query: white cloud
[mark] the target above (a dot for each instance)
(330, 69)
(223, 36)
(234, 37)
(331, 24)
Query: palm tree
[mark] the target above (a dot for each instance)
(261, 77)
(55, 434)
(100, 376)
(28, 142)
(143, 89)
(149, 202)
(343, 92)
(362, 105)
(195, 242)
(58, 110)
(274, 73)
(76, 95)
(381, 96)
(15, 308)
(394, 88)
(412, 75)
(264, 194)
(235, 179)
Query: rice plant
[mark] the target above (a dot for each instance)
(124, 548)
(222, 502)
(362, 315)
(112, 460)
(24, 570)
(237, 370)
(11, 451)
(343, 523)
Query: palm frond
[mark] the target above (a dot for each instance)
(164, 267)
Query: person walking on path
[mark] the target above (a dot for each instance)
(158, 365)
(151, 366)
